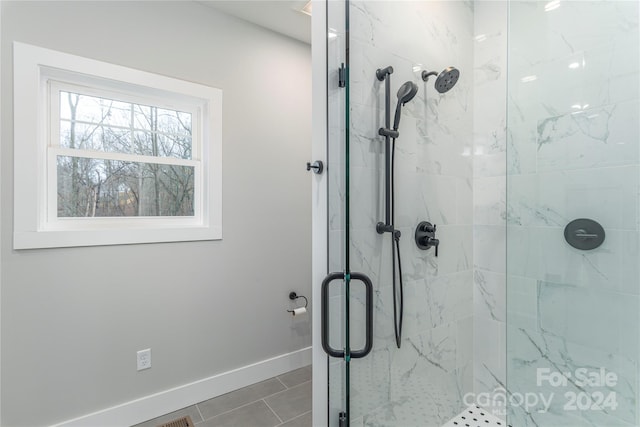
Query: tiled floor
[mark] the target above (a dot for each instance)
(475, 416)
(280, 401)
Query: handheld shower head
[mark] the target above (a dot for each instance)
(405, 94)
(446, 80)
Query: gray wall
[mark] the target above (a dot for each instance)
(73, 319)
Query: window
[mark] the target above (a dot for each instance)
(110, 155)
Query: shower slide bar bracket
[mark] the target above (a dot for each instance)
(388, 133)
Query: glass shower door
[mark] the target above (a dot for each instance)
(423, 381)
(347, 295)
(573, 294)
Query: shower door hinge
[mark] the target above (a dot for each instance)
(342, 76)
(342, 419)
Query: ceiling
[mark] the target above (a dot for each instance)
(281, 16)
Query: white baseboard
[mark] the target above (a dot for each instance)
(155, 405)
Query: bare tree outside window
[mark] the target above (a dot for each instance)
(104, 187)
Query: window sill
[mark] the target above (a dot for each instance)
(62, 239)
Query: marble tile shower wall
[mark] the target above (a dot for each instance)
(427, 378)
(489, 201)
(573, 152)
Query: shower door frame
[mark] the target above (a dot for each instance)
(319, 215)
(331, 396)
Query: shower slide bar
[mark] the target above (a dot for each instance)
(383, 74)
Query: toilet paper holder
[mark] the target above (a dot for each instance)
(300, 310)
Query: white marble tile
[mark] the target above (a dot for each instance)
(445, 154)
(464, 200)
(490, 106)
(370, 381)
(556, 198)
(423, 197)
(417, 264)
(455, 252)
(542, 253)
(489, 165)
(425, 386)
(425, 378)
(370, 253)
(598, 319)
(529, 352)
(489, 295)
(448, 299)
(522, 302)
(416, 308)
(521, 156)
(490, 19)
(598, 419)
(522, 252)
(366, 146)
(590, 138)
(489, 201)
(570, 28)
(489, 248)
(336, 250)
(448, 24)
(366, 198)
(489, 346)
(596, 83)
(593, 76)
(464, 351)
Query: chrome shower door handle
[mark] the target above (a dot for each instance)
(368, 313)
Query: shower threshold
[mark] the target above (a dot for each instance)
(475, 416)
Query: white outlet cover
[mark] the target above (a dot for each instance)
(144, 359)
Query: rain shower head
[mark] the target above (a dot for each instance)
(445, 80)
(405, 94)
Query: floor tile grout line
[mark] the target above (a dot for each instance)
(295, 418)
(246, 404)
(287, 386)
(250, 403)
(199, 412)
(274, 412)
(282, 391)
(203, 419)
(282, 382)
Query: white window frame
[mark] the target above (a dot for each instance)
(38, 71)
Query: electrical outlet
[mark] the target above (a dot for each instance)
(144, 359)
